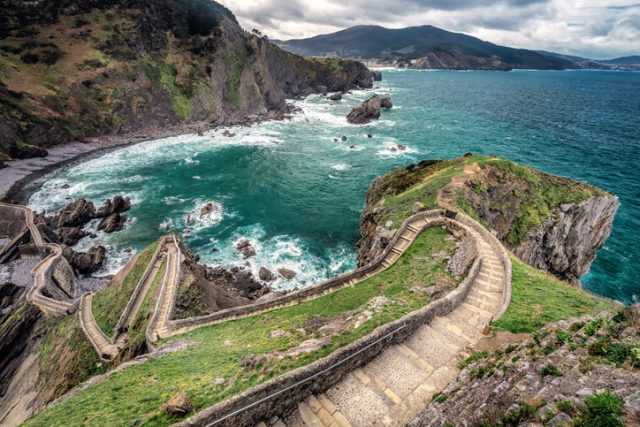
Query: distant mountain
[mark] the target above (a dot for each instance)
(625, 60)
(428, 47)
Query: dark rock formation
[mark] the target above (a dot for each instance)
(118, 204)
(114, 222)
(70, 236)
(205, 290)
(85, 262)
(369, 109)
(286, 273)
(76, 214)
(377, 76)
(245, 248)
(336, 96)
(266, 275)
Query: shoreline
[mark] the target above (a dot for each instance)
(18, 174)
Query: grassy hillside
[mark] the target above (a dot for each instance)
(529, 196)
(71, 70)
(242, 352)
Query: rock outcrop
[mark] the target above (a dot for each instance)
(559, 234)
(566, 244)
(85, 262)
(205, 290)
(369, 110)
(552, 379)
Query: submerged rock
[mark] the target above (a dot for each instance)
(286, 273)
(369, 110)
(245, 248)
(336, 96)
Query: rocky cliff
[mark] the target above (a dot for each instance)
(579, 372)
(551, 223)
(71, 70)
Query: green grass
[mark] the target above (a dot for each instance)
(109, 302)
(139, 391)
(539, 298)
(163, 75)
(543, 194)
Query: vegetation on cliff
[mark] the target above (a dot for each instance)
(222, 360)
(70, 70)
(532, 212)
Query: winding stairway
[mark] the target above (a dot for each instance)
(43, 269)
(397, 385)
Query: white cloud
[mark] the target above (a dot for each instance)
(591, 28)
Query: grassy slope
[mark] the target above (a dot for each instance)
(109, 303)
(543, 194)
(539, 298)
(139, 391)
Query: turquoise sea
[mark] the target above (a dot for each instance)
(297, 194)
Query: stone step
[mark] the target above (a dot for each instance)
(441, 324)
(433, 347)
(400, 373)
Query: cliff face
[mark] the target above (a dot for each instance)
(565, 244)
(70, 70)
(551, 223)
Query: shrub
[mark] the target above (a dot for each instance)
(563, 337)
(515, 417)
(593, 326)
(604, 410)
(550, 370)
(474, 357)
(439, 397)
(566, 406)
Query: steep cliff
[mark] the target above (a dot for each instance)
(70, 70)
(552, 223)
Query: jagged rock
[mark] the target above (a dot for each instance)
(344, 137)
(244, 282)
(336, 96)
(369, 136)
(178, 405)
(369, 109)
(70, 236)
(322, 89)
(286, 273)
(76, 214)
(245, 248)
(377, 76)
(85, 262)
(114, 222)
(266, 275)
(118, 204)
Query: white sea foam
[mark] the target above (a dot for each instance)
(392, 149)
(341, 167)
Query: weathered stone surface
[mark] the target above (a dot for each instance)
(118, 204)
(266, 275)
(369, 110)
(286, 273)
(245, 248)
(85, 262)
(488, 388)
(336, 96)
(178, 405)
(114, 222)
(77, 214)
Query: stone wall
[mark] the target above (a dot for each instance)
(280, 396)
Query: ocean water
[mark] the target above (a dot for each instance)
(297, 195)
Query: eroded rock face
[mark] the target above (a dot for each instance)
(566, 244)
(85, 262)
(245, 248)
(369, 110)
(76, 214)
(114, 222)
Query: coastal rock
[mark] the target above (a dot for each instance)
(76, 214)
(85, 263)
(118, 204)
(266, 275)
(566, 244)
(70, 236)
(286, 273)
(245, 248)
(377, 76)
(114, 222)
(210, 212)
(369, 110)
(336, 96)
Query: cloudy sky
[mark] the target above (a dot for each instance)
(592, 28)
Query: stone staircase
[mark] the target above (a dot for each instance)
(397, 385)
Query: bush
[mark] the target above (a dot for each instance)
(566, 406)
(515, 417)
(474, 357)
(550, 370)
(604, 410)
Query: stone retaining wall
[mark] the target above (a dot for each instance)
(280, 396)
(437, 217)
